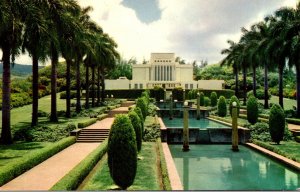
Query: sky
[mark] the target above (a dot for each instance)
(192, 29)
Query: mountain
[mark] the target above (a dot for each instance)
(19, 70)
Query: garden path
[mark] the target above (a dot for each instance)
(49, 172)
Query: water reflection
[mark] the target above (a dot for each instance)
(216, 167)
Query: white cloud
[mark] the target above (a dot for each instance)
(193, 29)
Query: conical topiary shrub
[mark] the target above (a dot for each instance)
(201, 99)
(142, 104)
(213, 99)
(276, 123)
(136, 123)
(222, 108)
(139, 113)
(122, 152)
(252, 110)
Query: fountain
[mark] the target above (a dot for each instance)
(198, 106)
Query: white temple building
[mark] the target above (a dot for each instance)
(162, 70)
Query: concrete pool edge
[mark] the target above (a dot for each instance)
(276, 156)
(172, 170)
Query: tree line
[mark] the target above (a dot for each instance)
(49, 29)
(271, 43)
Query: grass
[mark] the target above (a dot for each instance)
(288, 103)
(23, 156)
(16, 151)
(146, 177)
(289, 149)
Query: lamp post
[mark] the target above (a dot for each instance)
(198, 106)
(165, 98)
(185, 127)
(183, 97)
(235, 136)
(171, 106)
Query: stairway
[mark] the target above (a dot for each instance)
(92, 135)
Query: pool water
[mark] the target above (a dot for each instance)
(202, 123)
(216, 167)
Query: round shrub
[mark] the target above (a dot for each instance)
(260, 131)
(142, 104)
(201, 99)
(276, 123)
(122, 152)
(206, 101)
(213, 99)
(252, 110)
(222, 108)
(136, 123)
(234, 99)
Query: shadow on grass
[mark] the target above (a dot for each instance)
(21, 146)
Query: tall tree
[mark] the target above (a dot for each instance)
(11, 14)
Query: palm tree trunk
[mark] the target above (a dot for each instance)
(280, 84)
(6, 137)
(245, 84)
(54, 62)
(78, 85)
(98, 85)
(254, 80)
(266, 105)
(87, 87)
(298, 90)
(68, 88)
(35, 90)
(102, 85)
(93, 88)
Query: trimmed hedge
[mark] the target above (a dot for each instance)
(16, 168)
(101, 117)
(213, 99)
(201, 99)
(87, 123)
(252, 110)
(74, 178)
(122, 152)
(293, 121)
(177, 93)
(297, 138)
(277, 123)
(136, 123)
(163, 165)
(125, 93)
(222, 108)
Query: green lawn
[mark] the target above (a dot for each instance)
(23, 114)
(146, 177)
(14, 152)
(288, 103)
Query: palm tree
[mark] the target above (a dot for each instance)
(61, 20)
(35, 42)
(11, 14)
(232, 60)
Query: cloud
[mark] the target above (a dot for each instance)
(193, 29)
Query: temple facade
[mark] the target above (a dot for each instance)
(162, 70)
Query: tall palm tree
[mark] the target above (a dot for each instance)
(232, 60)
(11, 14)
(35, 42)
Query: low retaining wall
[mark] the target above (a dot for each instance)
(210, 135)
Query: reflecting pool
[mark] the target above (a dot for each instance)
(202, 123)
(216, 167)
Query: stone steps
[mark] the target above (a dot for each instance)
(92, 135)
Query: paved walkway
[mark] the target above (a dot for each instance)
(49, 172)
(103, 124)
(294, 127)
